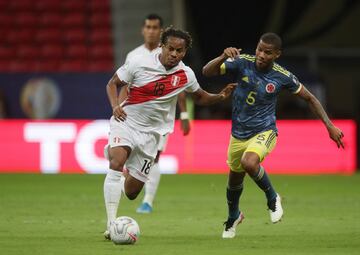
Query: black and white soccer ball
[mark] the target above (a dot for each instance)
(124, 230)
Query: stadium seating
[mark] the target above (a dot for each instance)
(55, 36)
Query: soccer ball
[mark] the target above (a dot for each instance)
(124, 230)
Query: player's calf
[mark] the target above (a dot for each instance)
(132, 187)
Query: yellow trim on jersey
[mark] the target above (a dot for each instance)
(222, 69)
(245, 79)
(261, 144)
(247, 57)
(280, 69)
(298, 90)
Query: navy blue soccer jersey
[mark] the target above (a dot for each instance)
(254, 99)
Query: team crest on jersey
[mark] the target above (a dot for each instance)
(175, 80)
(270, 88)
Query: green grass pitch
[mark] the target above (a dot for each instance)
(64, 214)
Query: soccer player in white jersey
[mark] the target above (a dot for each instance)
(154, 83)
(151, 31)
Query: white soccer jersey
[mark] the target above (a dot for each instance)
(153, 90)
(141, 50)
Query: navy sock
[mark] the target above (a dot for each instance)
(263, 181)
(233, 195)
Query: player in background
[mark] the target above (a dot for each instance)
(254, 133)
(151, 32)
(154, 82)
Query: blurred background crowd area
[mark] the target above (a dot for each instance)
(56, 56)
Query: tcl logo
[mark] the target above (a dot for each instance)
(76, 146)
(50, 136)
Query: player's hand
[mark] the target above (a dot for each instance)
(231, 52)
(226, 92)
(119, 113)
(185, 126)
(336, 135)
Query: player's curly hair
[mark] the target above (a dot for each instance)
(178, 33)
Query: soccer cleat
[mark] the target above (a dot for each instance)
(230, 226)
(275, 209)
(144, 208)
(107, 235)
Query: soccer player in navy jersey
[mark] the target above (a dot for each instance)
(254, 133)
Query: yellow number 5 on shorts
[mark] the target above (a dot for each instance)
(261, 144)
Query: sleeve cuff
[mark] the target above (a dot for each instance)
(299, 88)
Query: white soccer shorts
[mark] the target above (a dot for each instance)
(144, 147)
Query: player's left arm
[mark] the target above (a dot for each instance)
(335, 133)
(184, 116)
(201, 97)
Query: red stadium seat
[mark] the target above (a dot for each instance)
(100, 20)
(27, 52)
(101, 66)
(74, 20)
(7, 52)
(47, 5)
(47, 66)
(26, 19)
(99, 5)
(21, 5)
(76, 35)
(78, 65)
(21, 36)
(55, 36)
(70, 5)
(52, 51)
(51, 19)
(4, 31)
(21, 66)
(101, 36)
(102, 51)
(78, 51)
(4, 65)
(4, 4)
(6, 20)
(48, 35)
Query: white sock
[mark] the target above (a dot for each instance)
(113, 186)
(152, 184)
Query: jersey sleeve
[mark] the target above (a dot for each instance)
(232, 66)
(126, 72)
(193, 84)
(293, 84)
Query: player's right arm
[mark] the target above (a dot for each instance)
(202, 97)
(111, 89)
(123, 94)
(212, 68)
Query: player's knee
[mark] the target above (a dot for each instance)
(116, 164)
(250, 165)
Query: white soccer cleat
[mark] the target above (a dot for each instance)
(275, 209)
(107, 235)
(230, 227)
(106, 151)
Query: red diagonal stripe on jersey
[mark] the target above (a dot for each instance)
(157, 88)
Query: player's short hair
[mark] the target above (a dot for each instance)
(273, 39)
(178, 33)
(154, 16)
